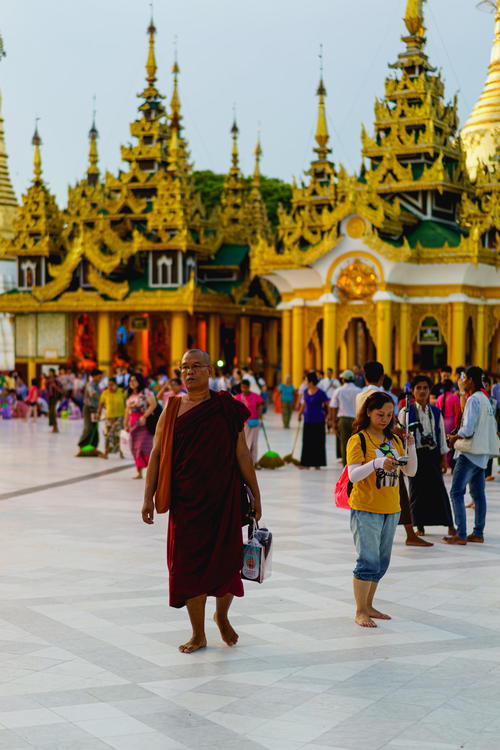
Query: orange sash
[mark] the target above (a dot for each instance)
(163, 488)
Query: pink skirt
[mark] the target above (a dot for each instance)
(141, 441)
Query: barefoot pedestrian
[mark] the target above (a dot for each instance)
(373, 454)
(198, 463)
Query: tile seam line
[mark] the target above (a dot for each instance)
(62, 482)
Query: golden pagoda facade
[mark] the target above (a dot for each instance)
(399, 262)
(133, 270)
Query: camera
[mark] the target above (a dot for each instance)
(427, 441)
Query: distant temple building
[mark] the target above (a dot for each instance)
(399, 262)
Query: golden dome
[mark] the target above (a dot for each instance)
(481, 133)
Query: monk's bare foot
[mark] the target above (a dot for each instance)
(227, 632)
(364, 620)
(193, 645)
(137, 476)
(378, 615)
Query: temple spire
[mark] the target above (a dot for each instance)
(235, 168)
(37, 159)
(175, 104)
(151, 61)
(321, 137)
(93, 169)
(256, 171)
(414, 17)
(7, 195)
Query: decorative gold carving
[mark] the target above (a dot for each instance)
(357, 281)
(356, 227)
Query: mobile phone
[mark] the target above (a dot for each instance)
(403, 460)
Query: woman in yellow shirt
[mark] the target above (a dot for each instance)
(112, 401)
(373, 458)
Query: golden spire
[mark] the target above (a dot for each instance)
(7, 195)
(235, 169)
(37, 159)
(321, 136)
(414, 17)
(175, 104)
(151, 61)
(93, 169)
(256, 171)
(482, 130)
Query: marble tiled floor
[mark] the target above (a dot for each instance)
(88, 645)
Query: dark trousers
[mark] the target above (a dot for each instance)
(344, 432)
(90, 433)
(286, 412)
(52, 411)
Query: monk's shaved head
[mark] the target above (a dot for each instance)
(204, 356)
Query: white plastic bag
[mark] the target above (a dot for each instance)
(125, 443)
(257, 554)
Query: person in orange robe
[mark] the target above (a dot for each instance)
(196, 471)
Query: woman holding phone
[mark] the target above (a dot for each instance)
(375, 457)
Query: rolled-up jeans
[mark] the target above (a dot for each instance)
(467, 473)
(373, 538)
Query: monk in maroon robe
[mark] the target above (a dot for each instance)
(196, 469)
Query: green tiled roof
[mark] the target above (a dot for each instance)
(230, 255)
(432, 234)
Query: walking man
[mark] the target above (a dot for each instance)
(343, 411)
(475, 442)
(196, 469)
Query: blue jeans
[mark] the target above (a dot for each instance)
(468, 473)
(373, 537)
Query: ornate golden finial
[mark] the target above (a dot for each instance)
(175, 104)
(258, 154)
(234, 152)
(151, 61)
(93, 169)
(414, 17)
(321, 136)
(37, 159)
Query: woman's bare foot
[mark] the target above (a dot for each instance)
(194, 644)
(364, 620)
(378, 615)
(227, 632)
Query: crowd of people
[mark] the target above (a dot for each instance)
(423, 431)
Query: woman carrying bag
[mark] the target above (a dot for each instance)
(374, 462)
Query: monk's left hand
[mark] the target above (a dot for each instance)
(148, 511)
(257, 510)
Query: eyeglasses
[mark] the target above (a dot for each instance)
(193, 368)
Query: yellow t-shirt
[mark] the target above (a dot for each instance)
(114, 403)
(379, 492)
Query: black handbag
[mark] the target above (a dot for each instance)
(152, 419)
(247, 507)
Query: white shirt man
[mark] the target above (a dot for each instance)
(344, 400)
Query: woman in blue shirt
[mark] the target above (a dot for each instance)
(314, 407)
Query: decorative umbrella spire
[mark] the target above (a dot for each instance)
(322, 137)
(37, 159)
(256, 170)
(151, 61)
(93, 169)
(175, 104)
(235, 169)
(414, 17)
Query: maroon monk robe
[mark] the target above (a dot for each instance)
(205, 543)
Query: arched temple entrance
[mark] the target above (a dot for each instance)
(357, 345)
(430, 351)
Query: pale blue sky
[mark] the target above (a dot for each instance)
(261, 54)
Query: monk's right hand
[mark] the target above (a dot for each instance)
(148, 511)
